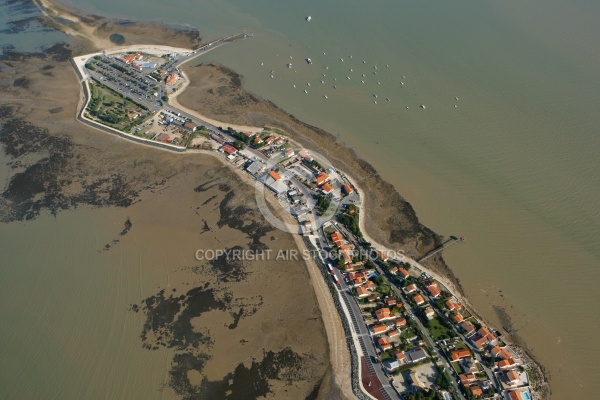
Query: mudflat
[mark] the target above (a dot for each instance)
(243, 329)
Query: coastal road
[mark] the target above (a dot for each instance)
(361, 330)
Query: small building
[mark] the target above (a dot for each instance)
(372, 298)
(393, 333)
(370, 285)
(452, 306)
(229, 149)
(511, 378)
(275, 175)
(338, 239)
(274, 182)
(418, 299)
(458, 318)
(172, 78)
(480, 342)
(384, 314)
(458, 354)
(467, 327)
(506, 364)
(499, 352)
(348, 189)
(271, 139)
(434, 291)
(400, 321)
(305, 155)
(133, 115)
(391, 364)
(362, 292)
(383, 343)
(466, 379)
(522, 394)
(346, 256)
(378, 329)
(190, 127)
(218, 139)
(476, 390)
(322, 178)
(429, 312)
(288, 152)
(258, 140)
(255, 168)
(400, 356)
(410, 288)
(403, 272)
(486, 333)
(417, 354)
(390, 301)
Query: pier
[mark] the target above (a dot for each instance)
(449, 242)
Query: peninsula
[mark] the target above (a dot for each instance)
(409, 331)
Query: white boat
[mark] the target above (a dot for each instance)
(325, 96)
(289, 65)
(308, 61)
(308, 18)
(305, 91)
(423, 106)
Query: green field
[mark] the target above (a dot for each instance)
(438, 331)
(112, 109)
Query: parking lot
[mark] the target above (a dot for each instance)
(138, 84)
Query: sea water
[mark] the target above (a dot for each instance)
(504, 151)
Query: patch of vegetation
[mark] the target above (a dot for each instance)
(112, 109)
(323, 203)
(350, 219)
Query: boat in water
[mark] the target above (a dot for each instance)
(308, 61)
(308, 18)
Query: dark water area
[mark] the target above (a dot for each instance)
(117, 39)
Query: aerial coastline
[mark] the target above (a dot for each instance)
(404, 229)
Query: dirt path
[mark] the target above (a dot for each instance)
(338, 351)
(173, 101)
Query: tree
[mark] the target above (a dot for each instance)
(239, 144)
(443, 380)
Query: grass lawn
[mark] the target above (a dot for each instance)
(457, 367)
(408, 333)
(439, 331)
(460, 345)
(110, 108)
